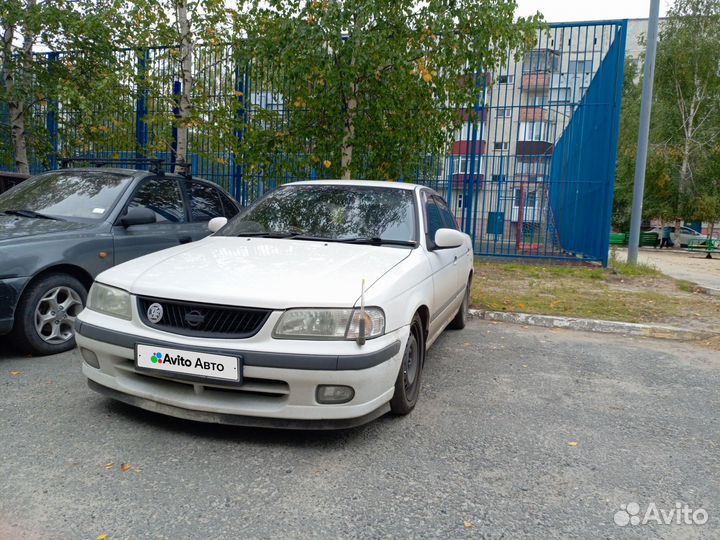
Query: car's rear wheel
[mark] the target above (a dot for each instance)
(458, 323)
(407, 384)
(46, 314)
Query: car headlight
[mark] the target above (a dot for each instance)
(340, 324)
(110, 301)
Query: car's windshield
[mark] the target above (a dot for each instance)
(67, 194)
(331, 212)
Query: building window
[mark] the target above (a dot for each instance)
(506, 79)
(499, 178)
(528, 198)
(504, 113)
(461, 165)
(533, 131)
(580, 66)
(501, 145)
(559, 95)
(541, 60)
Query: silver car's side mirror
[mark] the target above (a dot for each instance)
(215, 224)
(448, 238)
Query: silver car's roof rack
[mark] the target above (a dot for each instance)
(155, 164)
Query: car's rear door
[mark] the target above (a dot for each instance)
(162, 195)
(206, 202)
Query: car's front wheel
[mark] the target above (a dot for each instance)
(46, 314)
(407, 384)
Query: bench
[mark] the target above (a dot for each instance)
(708, 246)
(647, 239)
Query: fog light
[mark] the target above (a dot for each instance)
(332, 394)
(90, 357)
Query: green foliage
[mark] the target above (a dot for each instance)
(682, 170)
(370, 88)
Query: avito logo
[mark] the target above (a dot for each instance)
(179, 360)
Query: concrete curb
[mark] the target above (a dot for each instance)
(594, 325)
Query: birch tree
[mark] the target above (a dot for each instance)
(688, 82)
(368, 88)
(18, 21)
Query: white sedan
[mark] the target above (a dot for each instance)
(313, 308)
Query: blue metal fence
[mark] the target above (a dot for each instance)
(531, 177)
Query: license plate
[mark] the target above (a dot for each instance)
(177, 362)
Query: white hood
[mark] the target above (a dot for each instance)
(257, 272)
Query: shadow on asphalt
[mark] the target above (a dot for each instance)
(221, 432)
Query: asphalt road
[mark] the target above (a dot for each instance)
(486, 453)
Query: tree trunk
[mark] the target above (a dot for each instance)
(16, 106)
(186, 65)
(348, 136)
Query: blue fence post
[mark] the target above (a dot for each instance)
(51, 118)
(238, 189)
(177, 90)
(141, 128)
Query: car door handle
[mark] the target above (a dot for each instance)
(455, 260)
(185, 239)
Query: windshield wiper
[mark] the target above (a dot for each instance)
(377, 241)
(30, 214)
(272, 234)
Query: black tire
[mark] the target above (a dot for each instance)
(55, 335)
(407, 384)
(458, 323)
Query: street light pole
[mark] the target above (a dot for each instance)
(644, 132)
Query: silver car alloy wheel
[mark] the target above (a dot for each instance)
(55, 314)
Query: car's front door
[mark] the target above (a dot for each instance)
(163, 196)
(207, 202)
(444, 262)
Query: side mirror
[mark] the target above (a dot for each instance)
(449, 238)
(137, 216)
(216, 223)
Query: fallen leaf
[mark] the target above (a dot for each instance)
(109, 466)
(102, 536)
(468, 524)
(125, 467)
(572, 443)
(15, 373)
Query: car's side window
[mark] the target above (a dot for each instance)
(230, 207)
(162, 196)
(205, 202)
(447, 217)
(434, 218)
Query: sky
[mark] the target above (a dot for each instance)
(589, 10)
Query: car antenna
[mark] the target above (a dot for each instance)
(361, 323)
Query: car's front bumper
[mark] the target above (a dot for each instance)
(280, 377)
(10, 292)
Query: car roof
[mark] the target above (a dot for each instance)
(133, 173)
(367, 183)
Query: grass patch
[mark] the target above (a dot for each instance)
(621, 293)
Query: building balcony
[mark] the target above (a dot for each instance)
(533, 114)
(460, 180)
(535, 82)
(534, 148)
(465, 148)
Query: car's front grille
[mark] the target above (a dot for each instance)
(208, 320)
